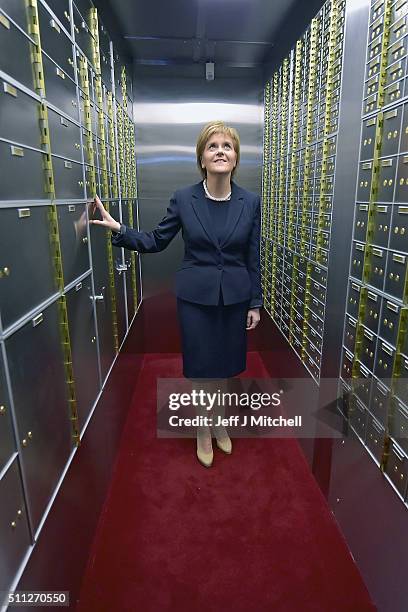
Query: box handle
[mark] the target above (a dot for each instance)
(393, 307)
(392, 114)
(17, 151)
(9, 89)
(23, 213)
(38, 319)
(54, 25)
(4, 21)
(387, 349)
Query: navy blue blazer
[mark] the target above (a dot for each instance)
(232, 264)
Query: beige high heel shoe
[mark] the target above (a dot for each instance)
(223, 441)
(204, 457)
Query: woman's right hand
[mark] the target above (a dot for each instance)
(107, 220)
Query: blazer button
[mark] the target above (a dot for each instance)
(220, 266)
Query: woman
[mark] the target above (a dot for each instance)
(218, 286)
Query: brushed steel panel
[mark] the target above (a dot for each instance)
(14, 532)
(68, 178)
(55, 42)
(60, 89)
(17, 162)
(39, 391)
(65, 136)
(18, 63)
(103, 304)
(19, 116)
(74, 240)
(83, 345)
(7, 442)
(30, 280)
(169, 114)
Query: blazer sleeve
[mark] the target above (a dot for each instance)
(253, 258)
(154, 241)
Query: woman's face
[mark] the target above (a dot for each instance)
(219, 156)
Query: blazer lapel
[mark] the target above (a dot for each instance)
(201, 210)
(235, 208)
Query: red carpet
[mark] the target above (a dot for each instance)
(252, 533)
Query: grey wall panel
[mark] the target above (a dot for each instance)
(60, 8)
(65, 136)
(30, 280)
(16, 9)
(39, 392)
(7, 442)
(68, 179)
(60, 89)
(169, 114)
(83, 344)
(18, 63)
(17, 162)
(14, 533)
(55, 42)
(19, 116)
(74, 240)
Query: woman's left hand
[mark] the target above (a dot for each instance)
(253, 318)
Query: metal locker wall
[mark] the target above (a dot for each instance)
(61, 320)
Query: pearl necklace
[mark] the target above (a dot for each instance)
(227, 197)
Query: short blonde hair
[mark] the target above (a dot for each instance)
(216, 127)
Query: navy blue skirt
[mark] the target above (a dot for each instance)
(213, 339)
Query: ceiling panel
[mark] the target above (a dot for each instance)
(163, 50)
(248, 20)
(157, 17)
(196, 31)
